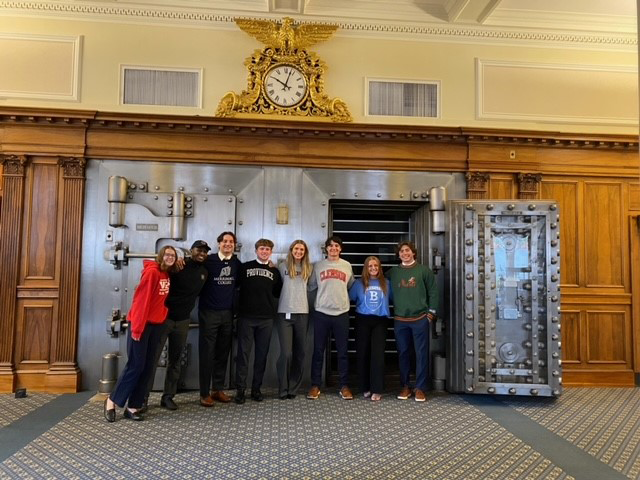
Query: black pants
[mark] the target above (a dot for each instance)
(371, 337)
(176, 332)
(250, 331)
(292, 334)
(132, 384)
(214, 344)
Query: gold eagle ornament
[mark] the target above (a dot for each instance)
(285, 78)
(286, 38)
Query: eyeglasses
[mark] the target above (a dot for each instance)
(170, 255)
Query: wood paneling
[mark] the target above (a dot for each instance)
(502, 187)
(634, 197)
(598, 378)
(35, 333)
(634, 228)
(10, 244)
(63, 360)
(607, 337)
(565, 193)
(41, 195)
(604, 235)
(571, 337)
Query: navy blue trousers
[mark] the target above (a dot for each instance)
(418, 334)
(132, 384)
(323, 326)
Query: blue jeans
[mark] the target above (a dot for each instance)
(418, 333)
(323, 325)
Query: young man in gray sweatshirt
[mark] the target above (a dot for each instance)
(332, 278)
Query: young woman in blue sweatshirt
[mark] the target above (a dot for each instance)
(371, 294)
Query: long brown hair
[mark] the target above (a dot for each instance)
(366, 277)
(305, 265)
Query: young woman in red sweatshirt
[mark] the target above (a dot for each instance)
(146, 316)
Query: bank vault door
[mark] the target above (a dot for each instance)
(505, 297)
(134, 211)
(375, 228)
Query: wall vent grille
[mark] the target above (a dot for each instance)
(161, 86)
(404, 99)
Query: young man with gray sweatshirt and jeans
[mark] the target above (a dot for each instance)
(332, 278)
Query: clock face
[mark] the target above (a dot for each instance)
(285, 85)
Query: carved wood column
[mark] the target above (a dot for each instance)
(477, 185)
(529, 185)
(10, 249)
(63, 356)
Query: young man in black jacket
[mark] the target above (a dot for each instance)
(260, 285)
(183, 291)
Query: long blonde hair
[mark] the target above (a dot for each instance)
(305, 265)
(366, 277)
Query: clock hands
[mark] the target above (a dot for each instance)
(284, 85)
(287, 87)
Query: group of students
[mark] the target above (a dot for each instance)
(263, 294)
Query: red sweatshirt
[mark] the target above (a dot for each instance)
(148, 299)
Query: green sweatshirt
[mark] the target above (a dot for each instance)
(414, 292)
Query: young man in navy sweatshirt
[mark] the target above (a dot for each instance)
(215, 313)
(260, 285)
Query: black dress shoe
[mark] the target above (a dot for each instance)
(239, 399)
(168, 403)
(109, 413)
(137, 416)
(291, 396)
(145, 406)
(257, 395)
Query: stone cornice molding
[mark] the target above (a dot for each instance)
(596, 39)
(296, 129)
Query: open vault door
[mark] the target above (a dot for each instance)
(504, 298)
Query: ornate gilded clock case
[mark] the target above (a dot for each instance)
(286, 47)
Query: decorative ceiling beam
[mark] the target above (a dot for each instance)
(467, 11)
(287, 6)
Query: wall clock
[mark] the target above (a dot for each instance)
(284, 77)
(285, 85)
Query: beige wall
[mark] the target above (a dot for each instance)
(221, 53)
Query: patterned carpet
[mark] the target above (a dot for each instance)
(11, 408)
(603, 422)
(445, 438)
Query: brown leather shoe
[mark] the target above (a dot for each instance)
(345, 393)
(206, 401)
(405, 393)
(314, 393)
(420, 396)
(220, 396)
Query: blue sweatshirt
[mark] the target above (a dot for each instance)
(371, 301)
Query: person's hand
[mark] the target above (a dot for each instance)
(431, 316)
(179, 263)
(135, 338)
